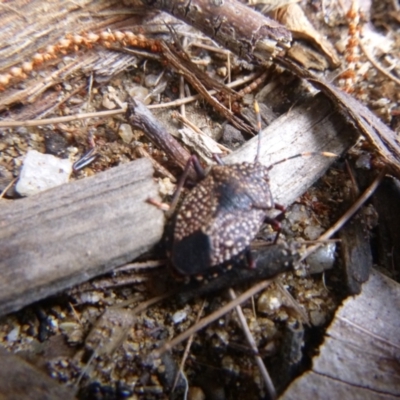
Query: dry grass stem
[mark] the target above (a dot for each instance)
(346, 216)
(252, 343)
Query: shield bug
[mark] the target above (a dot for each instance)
(216, 222)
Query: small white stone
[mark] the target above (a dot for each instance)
(269, 301)
(125, 133)
(313, 232)
(318, 318)
(13, 334)
(108, 103)
(322, 259)
(140, 92)
(166, 187)
(41, 172)
(179, 316)
(90, 297)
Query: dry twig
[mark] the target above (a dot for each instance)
(347, 215)
(252, 343)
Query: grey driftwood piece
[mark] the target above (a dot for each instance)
(359, 358)
(314, 125)
(71, 233)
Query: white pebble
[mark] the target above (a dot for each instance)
(108, 102)
(322, 259)
(13, 334)
(179, 316)
(313, 232)
(125, 133)
(41, 172)
(140, 93)
(269, 301)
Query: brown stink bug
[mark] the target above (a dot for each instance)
(221, 215)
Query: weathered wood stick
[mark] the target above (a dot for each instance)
(311, 127)
(69, 234)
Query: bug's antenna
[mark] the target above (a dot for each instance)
(258, 116)
(306, 154)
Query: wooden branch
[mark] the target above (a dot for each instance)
(232, 24)
(69, 234)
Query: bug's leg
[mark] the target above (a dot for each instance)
(193, 160)
(251, 262)
(197, 166)
(282, 213)
(276, 226)
(218, 159)
(276, 222)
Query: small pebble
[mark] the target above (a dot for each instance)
(140, 93)
(364, 161)
(313, 232)
(125, 133)
(13, 334)
(90, 297)
(228, 364)
(41, 172)
(108, 103)
(317, 318)
(55, 144)
(166, 187)
(269, 301)
(179, 316)
(322, 259)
